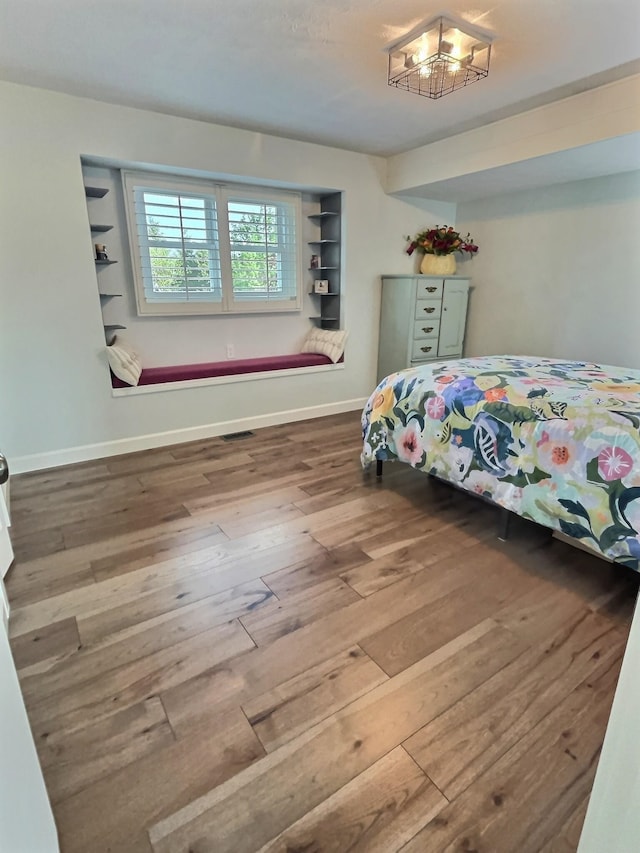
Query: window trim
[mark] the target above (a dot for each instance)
(222, 192)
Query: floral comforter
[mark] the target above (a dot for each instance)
(554, 441)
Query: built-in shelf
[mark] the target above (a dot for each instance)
(324, 319)
(326, 253)
(95, 192)
(109, 332)
(99, 228)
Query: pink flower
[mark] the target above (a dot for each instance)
(408, 445)
(435, 408)
(614, 463)
(544, 438)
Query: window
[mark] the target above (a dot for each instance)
(203, 248)
(178, 245)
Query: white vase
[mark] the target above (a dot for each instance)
(438, 265)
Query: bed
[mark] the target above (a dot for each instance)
(557, 442)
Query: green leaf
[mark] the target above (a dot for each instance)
(458, 407)
(625, 499)
(509, 414)
(613, 534)
(537, 475)
(577, 531)
(635, 420)
(593, 475)
(445, 436)
(400, 415)
(518, 480)
(575, 508)
(521, 480)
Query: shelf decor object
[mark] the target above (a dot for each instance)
(438, 247)
(438, 56)
(438, 265)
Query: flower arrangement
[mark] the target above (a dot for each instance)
(441, 240)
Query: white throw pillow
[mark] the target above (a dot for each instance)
(124, 361)
(326, 342)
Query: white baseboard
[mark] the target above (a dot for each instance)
(87, 452)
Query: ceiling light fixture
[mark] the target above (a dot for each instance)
(439, 56)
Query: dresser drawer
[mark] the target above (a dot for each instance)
(429, 290)
(426, 328)
(426, 348)
(428, 309)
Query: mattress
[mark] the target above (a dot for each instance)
(557, 442)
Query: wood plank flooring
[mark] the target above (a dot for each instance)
(253, 646)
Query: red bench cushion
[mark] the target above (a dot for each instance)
(182, 372)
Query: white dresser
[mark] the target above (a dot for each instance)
(422, 318)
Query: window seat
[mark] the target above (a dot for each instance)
(234, 367)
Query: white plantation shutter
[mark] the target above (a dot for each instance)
(202, 248)
(178, 244)
(263, 248)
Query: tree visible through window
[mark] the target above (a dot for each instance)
(207, 248)
(261, 258)
(181, 257)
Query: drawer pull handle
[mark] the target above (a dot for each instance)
(431, 289)
(429, 310)
(427, 329)
(426, 349)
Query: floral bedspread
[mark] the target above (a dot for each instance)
(554, 441)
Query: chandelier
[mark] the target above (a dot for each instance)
(439, 56)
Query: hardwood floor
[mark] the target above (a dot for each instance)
(251, 646)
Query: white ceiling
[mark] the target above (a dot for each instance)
(310, 70)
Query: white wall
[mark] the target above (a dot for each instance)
(558, 271)
(53, 375)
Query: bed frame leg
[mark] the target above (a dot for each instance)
(505, 521)
(378, 467)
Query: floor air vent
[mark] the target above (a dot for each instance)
(235, 436)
